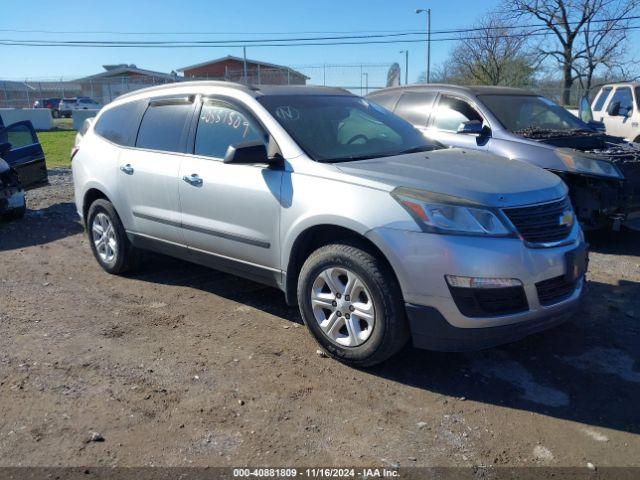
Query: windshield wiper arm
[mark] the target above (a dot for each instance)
(422, 148)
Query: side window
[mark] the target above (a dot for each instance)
(120, 124)
(415, 107)
(624, 99)
(451, 112)
(164, 124)
(220, 125)
(604, 94)
(20, 135)
(386, 99)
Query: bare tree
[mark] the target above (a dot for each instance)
(580, 28)
(604, 45)
(494, 54)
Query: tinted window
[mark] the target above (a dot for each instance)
(624, 98)
(334, 128)
(120, 124)
(415, 107)
(220, 125)
(387, 99)
(451, 112)
(601, 99)
(20, 136)
(163, 126)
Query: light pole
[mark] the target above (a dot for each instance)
(366, 82)
(428, 12)
(406, 66)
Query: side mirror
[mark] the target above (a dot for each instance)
(247, 153)
(472, 127)
(597, 126)
(584, 113)
(614, 109)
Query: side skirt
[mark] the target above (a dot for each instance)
(250, 271)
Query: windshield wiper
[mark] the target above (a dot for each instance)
(352, 158)
(422, 148)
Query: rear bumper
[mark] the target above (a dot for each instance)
(431, 331)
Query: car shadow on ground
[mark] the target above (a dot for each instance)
(624, 242)
(39, 227)
(586, 370)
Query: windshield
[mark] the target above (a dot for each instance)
(335, 128)
(524, 114)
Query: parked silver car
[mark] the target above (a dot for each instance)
(376, 233)
(602, 172)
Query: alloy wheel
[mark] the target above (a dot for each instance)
(104, 238)
(343, 307)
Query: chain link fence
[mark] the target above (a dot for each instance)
(358, 78)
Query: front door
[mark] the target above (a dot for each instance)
(230, 211)
(619, 112)
(448, 115)
(26, 155)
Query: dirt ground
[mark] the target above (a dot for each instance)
(180, 365)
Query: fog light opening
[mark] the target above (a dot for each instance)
(481, 282)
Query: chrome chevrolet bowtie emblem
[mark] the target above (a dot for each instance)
(566, 219)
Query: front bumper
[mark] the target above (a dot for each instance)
(430, 330)
(421, 261)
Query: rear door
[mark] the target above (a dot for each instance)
(26, 155)
(415, 107)
(148, 173)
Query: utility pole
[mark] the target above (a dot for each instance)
(366, 78)
(406, 66)
(244, 52)
(428, 12)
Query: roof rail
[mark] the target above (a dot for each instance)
(196, 83)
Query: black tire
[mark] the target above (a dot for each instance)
(55, 113)
(126, 256)
(16, 213)
(390, 331)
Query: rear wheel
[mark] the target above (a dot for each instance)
(108, 239)
(352, 304)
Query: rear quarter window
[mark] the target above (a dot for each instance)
(120, 124)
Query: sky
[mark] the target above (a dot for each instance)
(223, 19)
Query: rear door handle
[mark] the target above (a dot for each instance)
(193, 179)
(128, 169)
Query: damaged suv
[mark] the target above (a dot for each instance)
(602, 172)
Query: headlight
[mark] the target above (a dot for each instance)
(584, 164)
(438, 213)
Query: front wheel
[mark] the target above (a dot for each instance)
(352, 305)
(108, 239)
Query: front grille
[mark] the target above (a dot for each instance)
(554, 290)
(541, 223)
(489, 302)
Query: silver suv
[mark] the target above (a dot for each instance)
(376, 233)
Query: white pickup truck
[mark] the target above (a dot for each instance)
(618, 107)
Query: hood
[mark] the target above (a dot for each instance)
(482, 178)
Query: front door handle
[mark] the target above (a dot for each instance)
(128, 169)
(193, 179)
